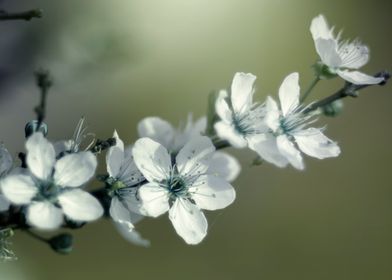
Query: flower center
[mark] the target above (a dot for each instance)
(48, 190)
(177, 187)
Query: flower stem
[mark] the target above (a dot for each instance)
(36, 236)
(310, 88)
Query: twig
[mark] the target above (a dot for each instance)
(27, 15)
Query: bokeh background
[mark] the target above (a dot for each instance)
(117, 61)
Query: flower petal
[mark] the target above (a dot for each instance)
(211, 192)
(266, 147)
(4, 203)
(358, 78)
(289, 93)
(328, 52)
(5, 161)
(120, 213)
(224, 166)
(155, 199)
(152, 159)
(129, 174)
(132, 236)
(315, 144)
(19, 189)
(157, 129)
(44, 215)
(80, 206)
(222, 108)
(115, 157)
(287, 149)
(242, 92)
(272, 114)
(188, 221)
(354, 55)
(320, 29)
(41, 156)
(195, 156)
(228, 132)
(74, 170)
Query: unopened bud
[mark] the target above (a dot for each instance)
(333, 109)
(62, 243)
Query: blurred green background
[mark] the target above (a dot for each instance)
(117, 61)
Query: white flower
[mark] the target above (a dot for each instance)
(50, 189)
(123, 182)
(161, 131)
(6, 163)
(288, 135)
(241, 119)
(181, 185)
(341, 58)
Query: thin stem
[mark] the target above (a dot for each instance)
(27, 15)
(36, 236)
(44, 82)
(310, 88)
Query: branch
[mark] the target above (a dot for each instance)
(349, 89)
(27, 15)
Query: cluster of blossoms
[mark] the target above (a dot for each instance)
(176, 170)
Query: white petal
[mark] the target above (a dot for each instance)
(41, 156)
(157, 129)
(120, 213)
(289, 93)
(155, 199)
(222, 108)
(320, 29)
(228, 132)
(315, 144)
(63, 146)
(132, 236)
(211, 192)
(115, 157)
(191, 130)
(353, 55)
(74, 170)
(194, 157)
(224, 166)
(44, 215)
(242, 92)
(5, 161)
(152, 159)
(188, 221)
(265, 146)
(358, 78)
(19, 189)
(272, 115)
(287, 149)
(328, 52)
(4, 203)
(80, 206)
(129, 174)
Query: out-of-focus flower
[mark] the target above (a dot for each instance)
(288, 134)
(161, 131)
(341, 58)
(50, 187)
(181, 185)
(6, 163)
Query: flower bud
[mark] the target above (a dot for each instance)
(333, 109)
(32, 126)
(62, 243)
